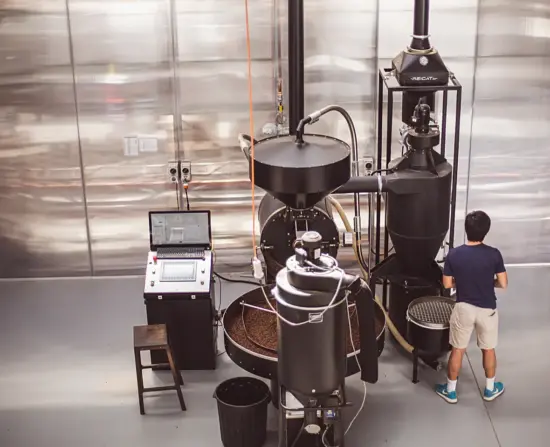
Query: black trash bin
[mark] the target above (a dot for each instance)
(242, 410)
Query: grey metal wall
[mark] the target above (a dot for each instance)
(78, 77)
(42, 211)
(123, 62)
(510, 147)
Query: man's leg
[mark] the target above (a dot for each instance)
(489, 363)
(461, 328)
(487, 338)
(455, 363)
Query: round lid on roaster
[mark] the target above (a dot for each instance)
(301, 174)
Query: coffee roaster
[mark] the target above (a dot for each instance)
(418, 189)
(313, 298)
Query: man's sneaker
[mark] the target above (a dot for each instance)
(450, 397)
(492, 395)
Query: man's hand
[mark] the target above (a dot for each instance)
(501, 281)
(448, 282)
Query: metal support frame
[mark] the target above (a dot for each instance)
(297, 438)
(415, 367)
(388, 82)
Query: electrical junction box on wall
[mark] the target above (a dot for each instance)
(185, 169)
(172, 171)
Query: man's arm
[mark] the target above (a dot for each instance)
(448, 282)
(501, 280)
(448, 278)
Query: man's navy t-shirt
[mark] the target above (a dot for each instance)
(474, 268)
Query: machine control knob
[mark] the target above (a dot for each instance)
(202, 271)
(311, 243)
(155, 259)
(152, 283)
(202, 283)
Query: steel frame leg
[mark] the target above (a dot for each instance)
(415, 367)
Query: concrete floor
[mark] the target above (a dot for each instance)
(67, 377)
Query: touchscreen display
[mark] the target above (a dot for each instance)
(178, 271)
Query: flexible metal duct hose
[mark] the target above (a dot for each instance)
(395, 332)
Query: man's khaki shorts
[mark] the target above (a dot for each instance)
(465, 318)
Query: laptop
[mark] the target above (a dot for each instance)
(180, 234)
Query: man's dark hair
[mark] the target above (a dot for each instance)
(477, 226)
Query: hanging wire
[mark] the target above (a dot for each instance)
(251, 114)
(186, 187)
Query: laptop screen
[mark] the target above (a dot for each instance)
(179, 229)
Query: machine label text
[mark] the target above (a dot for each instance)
(316, 318)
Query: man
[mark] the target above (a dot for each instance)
(475, 269)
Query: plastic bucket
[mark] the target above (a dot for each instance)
(242, 411)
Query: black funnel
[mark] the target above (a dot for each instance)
(419, 64)
(300, 174)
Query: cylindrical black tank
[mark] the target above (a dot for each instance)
(428, 325)
(312, 357)
(281, 226)
(418, 221)
(403, 291)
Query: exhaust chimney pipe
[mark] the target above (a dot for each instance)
(295, 63)
(421, 37)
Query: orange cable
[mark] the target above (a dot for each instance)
(251, 112)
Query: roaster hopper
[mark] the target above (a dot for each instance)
(300, 172)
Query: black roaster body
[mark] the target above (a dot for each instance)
(312, 357)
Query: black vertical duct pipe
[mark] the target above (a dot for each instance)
(421, 25)
(295, 63)
(421, 17)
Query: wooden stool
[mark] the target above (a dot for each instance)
(150, 338)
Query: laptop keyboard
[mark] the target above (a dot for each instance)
(180, 253)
